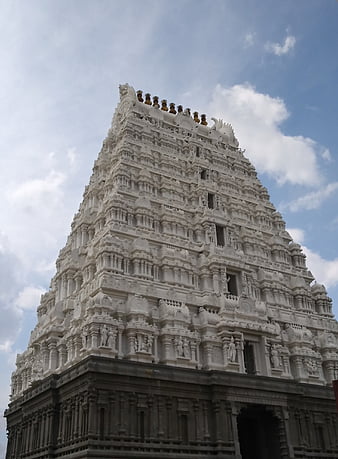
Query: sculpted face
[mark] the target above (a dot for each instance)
(123, 89)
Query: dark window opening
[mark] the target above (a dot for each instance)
(204, 174)
(184, 427)
(232, 284)
(197, 151)
(220, 235)
(211, 201)
(249, 358)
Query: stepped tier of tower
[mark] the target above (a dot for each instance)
(177, 256)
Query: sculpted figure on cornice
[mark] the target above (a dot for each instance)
(226, 130)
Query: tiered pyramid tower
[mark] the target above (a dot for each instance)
(178, 268)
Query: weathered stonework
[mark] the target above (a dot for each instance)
(179, 264)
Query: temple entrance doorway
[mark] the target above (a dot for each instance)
(258, 432)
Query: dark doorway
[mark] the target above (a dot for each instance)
(211, 201)
(220, 235)
(258, 432)
(249, 358)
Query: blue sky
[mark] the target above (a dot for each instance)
(269, 68)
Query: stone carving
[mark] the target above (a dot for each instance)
(104, 336)
(84, 336)
(143, 343)
(127, 92)
(275, 357)
(182, 347)
(225, 129)
(311, 367)
(232, 351)
(210, 235)
(111, 343)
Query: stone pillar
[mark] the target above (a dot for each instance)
(160, 407)
(132, 417)
(208, 354)
(112, 416)
(215, 281)
(284, 419)
(169, 405)
(197, 417)
(53, 355)
(166, 343)
(62, 355)
(63, 286)
(75, 432)
(216, 407)
(234, 414)
(136, 267)
(43, 422)
(120, 332)
(45, 356)
(92, 415)
(151, 417)
(206, 433)
(122, 413)
(156, 358)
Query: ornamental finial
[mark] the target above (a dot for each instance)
(148, 100)
(196, 118)
(164, 105)
(155, 102)
(172, 108)
(204, 121)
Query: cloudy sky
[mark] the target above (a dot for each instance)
(270, 68)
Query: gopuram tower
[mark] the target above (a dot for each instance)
(182, 321)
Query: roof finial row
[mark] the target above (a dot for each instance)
(171, 109)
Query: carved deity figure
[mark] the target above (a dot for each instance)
(186, 348)
(111, 339)
(179, 347)
(104, 335)
(84, 337)
(232, 350)
(209, 235)
(150, 340)
(225, 283)
(275, 357)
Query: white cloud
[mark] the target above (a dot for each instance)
(311, 200)
(326, 154)
(37, 192)
(281, 49)
(71, 154)
(10, 281)
(5, 346)
(325, 271)
(256, 119)
(297, 234)
(249, 39)
(29, 297)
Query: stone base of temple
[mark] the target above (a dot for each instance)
(110, 408)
